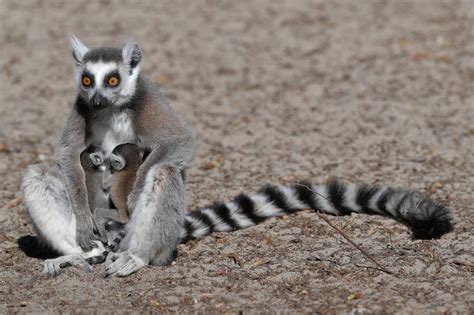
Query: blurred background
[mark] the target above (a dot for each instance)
(277, 91)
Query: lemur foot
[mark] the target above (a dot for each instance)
(122, 264)
(52, 267)
(85, 236)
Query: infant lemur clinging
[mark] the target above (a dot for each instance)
(110, 181)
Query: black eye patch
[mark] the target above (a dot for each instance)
(112, 79)
(87, 79)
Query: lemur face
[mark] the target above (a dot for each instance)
(126, 156)
(106, 76)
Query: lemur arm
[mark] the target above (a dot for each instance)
(176, 150)
(70, 146)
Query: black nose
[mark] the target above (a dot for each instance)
(97, 101)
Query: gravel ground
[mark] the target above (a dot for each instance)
(277, 91)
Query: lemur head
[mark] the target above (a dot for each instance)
(126, 157)
(106, 76)
(92, 159)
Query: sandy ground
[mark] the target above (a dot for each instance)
(277, 91)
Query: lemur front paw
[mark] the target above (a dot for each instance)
(85, 235)
(123, 264)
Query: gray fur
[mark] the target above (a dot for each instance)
(162, 204)
(136, 113)
(99, 179)
(79, 50)
(54, 219)
(131, 54)
(93, 165)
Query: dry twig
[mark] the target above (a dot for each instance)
(236, 259)
(382, 268)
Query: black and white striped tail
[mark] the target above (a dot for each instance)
(115, 231)
(94, 260)
(426, 218)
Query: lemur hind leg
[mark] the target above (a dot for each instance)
(155, 226)
(44, 197)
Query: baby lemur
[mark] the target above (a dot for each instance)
(110, 181)
(92, 161)
(122, 171)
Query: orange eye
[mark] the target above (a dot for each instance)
(113, 81)
(86, 81)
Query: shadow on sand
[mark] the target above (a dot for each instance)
(32, 247)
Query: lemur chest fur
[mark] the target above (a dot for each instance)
(113, 129)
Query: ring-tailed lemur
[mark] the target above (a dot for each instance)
(116, 105)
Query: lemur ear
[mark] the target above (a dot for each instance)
(131, 54)
(78, 49)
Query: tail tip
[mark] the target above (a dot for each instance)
(432, 222)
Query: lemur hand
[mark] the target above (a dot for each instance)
(85, 227)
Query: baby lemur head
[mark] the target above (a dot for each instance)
(92, 159)
(126, 157)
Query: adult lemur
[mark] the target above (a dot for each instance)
(115, 105)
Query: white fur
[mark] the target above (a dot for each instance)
(219, 224)
(100, 70)
(129, 86)
(291, 198)
(43, 199)
(78, 48)
(145, 197)
(350, 198)
(375, 198)
(199, 228)
(144, 212)
(242, 219)
(263, 207)
(117, 95)
(53, 218)
(322, 198)
(117, 130)
(123, 264)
